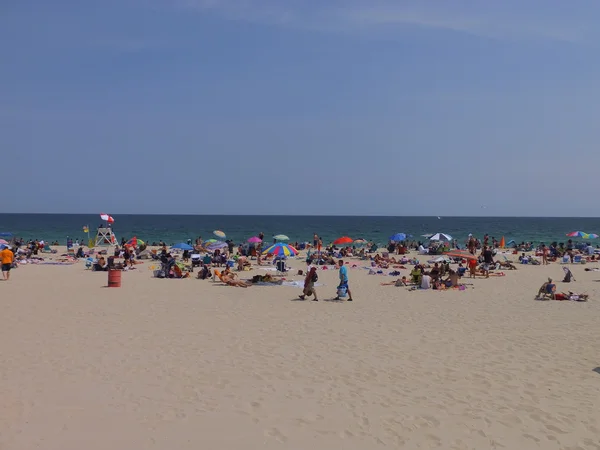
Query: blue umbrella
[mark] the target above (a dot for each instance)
(183, 246)
(399, 237)
(5, 234)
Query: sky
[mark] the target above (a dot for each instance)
(353, 107)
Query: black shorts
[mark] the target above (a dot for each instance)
(6, 267)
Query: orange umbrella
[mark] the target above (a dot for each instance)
(502, 243)
(343, 240)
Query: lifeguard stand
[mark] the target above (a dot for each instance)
(105, 237)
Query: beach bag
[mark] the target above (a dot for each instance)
(342, 291)
(315, 277)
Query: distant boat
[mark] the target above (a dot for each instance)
(439, 217)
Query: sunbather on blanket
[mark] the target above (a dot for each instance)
(398, 283)
(229, 279)
(505, 265)
(571, 296)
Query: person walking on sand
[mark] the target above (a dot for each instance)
(309, 284)
(344, 280)
(7, 258)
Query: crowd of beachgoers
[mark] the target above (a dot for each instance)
(439, 264)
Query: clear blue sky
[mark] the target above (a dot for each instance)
(431, 107)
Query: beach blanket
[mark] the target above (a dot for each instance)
(57, 263)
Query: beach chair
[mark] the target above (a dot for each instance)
(577, 259)
(565, 259)
(281, 267)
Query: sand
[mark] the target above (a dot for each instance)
(178, 364)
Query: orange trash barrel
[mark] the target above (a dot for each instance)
(114, 278)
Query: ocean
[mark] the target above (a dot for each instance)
(177, 228)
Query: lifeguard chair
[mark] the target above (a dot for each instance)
(105, 237)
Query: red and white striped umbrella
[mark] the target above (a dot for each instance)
(106, 217)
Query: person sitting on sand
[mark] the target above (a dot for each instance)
(434, 273)
(547, 289)
(425, 281)
(100, 265)
(242, 263)
(416, 274)
(178, 273)
(204, 272)
(452, 279)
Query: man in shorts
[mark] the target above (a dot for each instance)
(344, 279)
(488, 260)
(6, 258)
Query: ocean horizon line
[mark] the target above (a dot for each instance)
(293, 215)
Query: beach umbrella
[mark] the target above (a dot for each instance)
(135, 242)
(576, 234)
(360, 241)
(219, 234)
(590, 236)
(254, 240)
(5, 234)
(182, 246)
(107, 217)
(281, 237)
(211, 241)
(457, 254)
(399, 237)
(502, 243)
(343, 240)
(281, 249)
(2, 241)
(440, 237)
(216, 246)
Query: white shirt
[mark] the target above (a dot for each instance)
(425, 282)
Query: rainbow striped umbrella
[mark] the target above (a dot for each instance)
(219, 234)
(281, 249)
(590, 236)
(577, 234)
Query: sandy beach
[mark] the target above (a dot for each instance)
(174, 364)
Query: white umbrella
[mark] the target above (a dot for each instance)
(440, 237)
